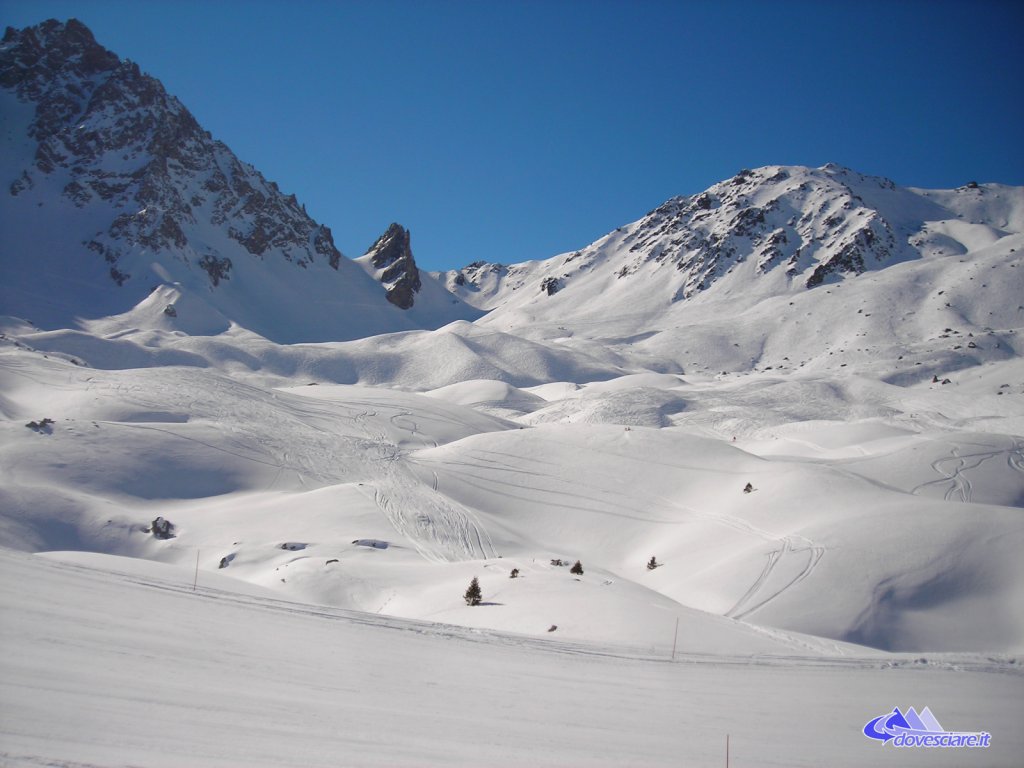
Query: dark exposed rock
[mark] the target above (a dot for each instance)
(817, 227)
(551, 285)
(162, 528)
(392, 256)
(118, 276)
(124, 142)
(217, 269)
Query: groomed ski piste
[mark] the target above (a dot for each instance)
(115, 661)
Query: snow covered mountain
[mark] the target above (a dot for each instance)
(117, 199)
(780, 424)
(779, 268)
(798, 227)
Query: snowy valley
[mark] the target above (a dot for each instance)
(245, 481)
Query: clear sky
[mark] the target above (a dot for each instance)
(508, 131)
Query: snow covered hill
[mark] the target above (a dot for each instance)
(278, 483)
(793, 226)
(114, 192)
(782, 268)
(129, 666)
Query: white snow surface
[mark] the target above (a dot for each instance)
(131, 666)
(831, 481)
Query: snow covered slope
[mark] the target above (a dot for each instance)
(279, 486)
(784, 267)
(131, 667)
(114, 192)
(797, 227)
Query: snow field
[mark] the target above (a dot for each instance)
(133, 667)
(818, 547)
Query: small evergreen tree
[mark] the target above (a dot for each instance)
(473, 593)
(577, 568)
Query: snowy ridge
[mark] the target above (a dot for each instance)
(115, 190)
(692, 288)
(772, 231)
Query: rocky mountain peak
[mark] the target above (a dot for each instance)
(391, 257)
(774, 230)
(114, 139)
(40, 54)
(811, 223)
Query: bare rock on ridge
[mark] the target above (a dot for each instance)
(396, 268)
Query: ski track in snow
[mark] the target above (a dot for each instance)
(953, 468)
(747, 604)
(262, 429)
(877, 660)
(441, 530)
(765, 588)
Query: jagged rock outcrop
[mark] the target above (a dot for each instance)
(793, 226)
(484, 284)
(391, 257)
(113, 192)
(814, 225)
(551, 285)
(114, 135)
(162, 528)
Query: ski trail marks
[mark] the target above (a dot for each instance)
(953, 470)
(774, 581)
(441, 530)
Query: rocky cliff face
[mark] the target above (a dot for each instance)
(810, 225)
(113, 198)
(391, 258)
(112, 135)
(776, 228)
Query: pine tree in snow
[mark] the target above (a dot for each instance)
(473, 593)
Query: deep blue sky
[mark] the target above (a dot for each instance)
(508, 131)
